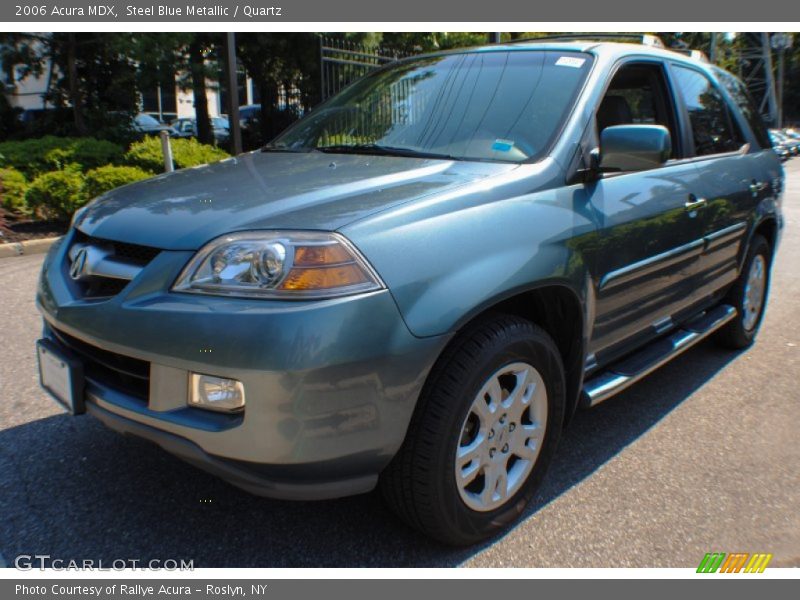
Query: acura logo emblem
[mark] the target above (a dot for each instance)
(78, 266)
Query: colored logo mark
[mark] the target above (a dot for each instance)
(739, 562)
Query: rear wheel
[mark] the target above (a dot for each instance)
(483, 434)
(749, 296)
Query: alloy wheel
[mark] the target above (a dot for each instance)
(501, 436)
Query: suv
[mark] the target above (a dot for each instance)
(416, 285)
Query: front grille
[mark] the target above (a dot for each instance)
(123, 373)
(138, 254)
(104, 285)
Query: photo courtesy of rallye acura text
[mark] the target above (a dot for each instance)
(418, 284)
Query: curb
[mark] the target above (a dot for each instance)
(39, 246)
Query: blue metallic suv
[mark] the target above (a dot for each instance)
(417, 284)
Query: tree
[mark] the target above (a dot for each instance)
(192, 56)
(279, 63)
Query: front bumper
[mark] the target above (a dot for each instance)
(330, 385)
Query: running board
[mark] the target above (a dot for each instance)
(628, 371)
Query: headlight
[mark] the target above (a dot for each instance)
(278, 264)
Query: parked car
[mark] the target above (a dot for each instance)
(792, 145)
(418, 284)
(187, 127)
(779, 147)
(249, 114)
(145, 124)
(166, 118)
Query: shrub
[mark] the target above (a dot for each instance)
(12, 190)
(103, 179)
(56, 194)
(147, 155)
(36, 156)
(88, 153)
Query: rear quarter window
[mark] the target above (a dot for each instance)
(744, 102)
(713, 129)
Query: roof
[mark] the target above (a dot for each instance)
(607, 49)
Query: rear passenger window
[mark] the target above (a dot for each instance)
(744, 101)
(713, 130)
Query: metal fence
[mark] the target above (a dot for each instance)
(342, 62)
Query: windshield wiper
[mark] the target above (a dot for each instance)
(380, 150)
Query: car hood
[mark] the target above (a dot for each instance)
(266, 190)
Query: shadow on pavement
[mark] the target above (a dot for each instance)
(74, 490)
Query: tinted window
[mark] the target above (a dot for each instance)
(744, 101)
(480, 105)
(637, 95)
(712, 128)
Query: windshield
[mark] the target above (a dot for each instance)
(219, 122)
(499, 105)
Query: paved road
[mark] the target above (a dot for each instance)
(701, 456)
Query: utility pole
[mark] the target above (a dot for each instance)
(780, 42)
(712, 51)
(232, 70)
(770, 97)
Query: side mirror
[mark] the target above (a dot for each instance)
(634, 147)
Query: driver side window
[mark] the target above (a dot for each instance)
(638, 95)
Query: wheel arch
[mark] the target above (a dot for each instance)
(768, 229)
(556, 307)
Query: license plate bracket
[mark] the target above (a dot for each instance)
(61, 374)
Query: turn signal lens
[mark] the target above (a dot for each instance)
(310, 256)
(324, 278)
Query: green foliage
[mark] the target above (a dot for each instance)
(12, 190)
(103, 179)
(186, 152)
(56, 194)
(36, 156)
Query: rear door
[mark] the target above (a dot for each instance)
(729, 184)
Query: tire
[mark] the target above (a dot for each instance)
(420, 484)
(742, 330)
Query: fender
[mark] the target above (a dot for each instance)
(463, 253)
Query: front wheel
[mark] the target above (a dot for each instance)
(749, 296)
(483, 433)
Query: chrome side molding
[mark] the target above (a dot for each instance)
(628, 371)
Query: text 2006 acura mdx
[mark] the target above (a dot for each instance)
(416, 285)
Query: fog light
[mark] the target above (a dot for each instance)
(216, 393)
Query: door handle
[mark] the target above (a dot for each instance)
(694, 203)
(757, 187)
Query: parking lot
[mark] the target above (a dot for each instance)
(701, 456)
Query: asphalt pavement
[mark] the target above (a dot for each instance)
(701, 456)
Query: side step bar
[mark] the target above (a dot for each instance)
(628, 371)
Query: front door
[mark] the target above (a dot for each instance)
(649, 231)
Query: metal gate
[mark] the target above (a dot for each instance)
(342, 62)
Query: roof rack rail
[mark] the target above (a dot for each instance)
(646, 39)
(696, 54)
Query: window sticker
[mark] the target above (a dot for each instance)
(503, 145)
(570, 61)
